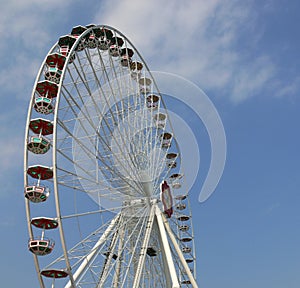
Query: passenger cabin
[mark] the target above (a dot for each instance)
(40, 172)
(180, 197)
(105, 36)
(152, 101)
(145, 85)
(166, 139)
(151, 252)
(186, 239)
(66, 43)
(91, 40)
(76, 32)
(54, 273)
(36, 193)
(186, 249)
(183, 218)
(40, 245)
(45, 91)
(115, 46)
(135, 70)
(189, 260)
(184, 228)
(126, 54)
(41, 126)
(43, 105)
(38, 144)
(180, 206)
(176, 180)
(160, 120)
(186, 282)
(55, 64)
(171, 160)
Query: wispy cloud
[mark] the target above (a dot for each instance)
(290, 88)
(270, 209)
(212, 43)
(208, 42)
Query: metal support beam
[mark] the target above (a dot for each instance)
(89, 258)
(179, 252)
(116, 280)
(144, 247)
(167, 250)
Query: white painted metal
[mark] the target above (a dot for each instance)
(140, 266)
(93, 252)
(166, 247)
(179, 252)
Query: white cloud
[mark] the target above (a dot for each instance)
(291, 88)
(25, 39)
(12, 140)
(200, 40)
(251, 78)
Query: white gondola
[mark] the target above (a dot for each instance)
(183, 218)
(166, 140)
(41, 246)
(180, 197)
(36, 193)
(125, 60)
(186, 249)
(64, 50)
(38, 144)
(145, 85)
(186, 282)
(53, 74)
(186, 239)
(114, 50)
(66, 42)
(180, 206)
(160, 120)
(135, 69)
(171, 160)
(152, 101)
(43, 105)
(176, 180)
(126, 54)
(76, 32)
(184, 228)
(92, 41)
(104, 42)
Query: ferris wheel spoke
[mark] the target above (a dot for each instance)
(114, 209)
(92, 156)
(118, 111)
(108, 139)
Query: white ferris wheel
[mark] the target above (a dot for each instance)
(102, 170)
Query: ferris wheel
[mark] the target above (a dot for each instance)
(102, 170)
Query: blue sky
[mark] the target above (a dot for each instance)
(244, 55)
